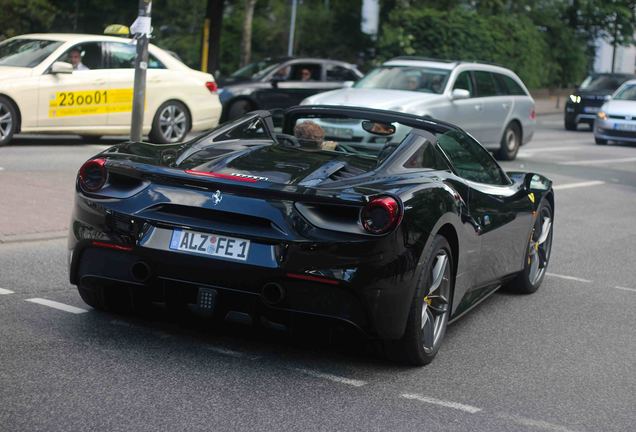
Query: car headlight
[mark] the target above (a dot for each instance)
(602, 115)
(575, 99)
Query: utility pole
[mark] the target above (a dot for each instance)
(141, 31)
(292, 29)
(211, 46)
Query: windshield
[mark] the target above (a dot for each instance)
(603, 82)
(421, 79)
(255, 70)
(26, 52)
(627, 93)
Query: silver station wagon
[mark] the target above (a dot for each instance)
(489, 102)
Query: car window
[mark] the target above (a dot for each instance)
(305, 72)
(411, 78)
(628, 92)
(90, 54)
(464, 82)
(485, 84)
(250, 129)
(26, 52)
(340, 73)
(471, 161)
(122, 56)
(427, 156)
(509, 86)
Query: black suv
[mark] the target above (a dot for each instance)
(583, 105)
(281, 83)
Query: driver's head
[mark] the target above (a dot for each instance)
(75, 56)
(309, 134)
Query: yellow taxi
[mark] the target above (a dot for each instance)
(83, 84)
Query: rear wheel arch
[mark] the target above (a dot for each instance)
(448, 231)
(12, 101)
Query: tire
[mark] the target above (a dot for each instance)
(510, 142)
(570, 124)
(421, 341)
(8, 120)
(600, 141)
(171, 123)
(239, 108)
(539, 248)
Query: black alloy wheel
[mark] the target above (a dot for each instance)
(430, 309)
(538, 253)
(8, 120)
(510, 143)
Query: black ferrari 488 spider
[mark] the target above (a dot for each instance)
(390, 223)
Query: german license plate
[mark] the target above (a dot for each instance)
(209, 244)
(591, 109)
(625, 126)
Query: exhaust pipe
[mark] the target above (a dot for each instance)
(272, 293)
(140, 271)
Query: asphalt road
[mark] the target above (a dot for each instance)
(562, 359)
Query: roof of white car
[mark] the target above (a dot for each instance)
(440, 64)
(71, 37)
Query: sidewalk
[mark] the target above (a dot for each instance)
(548, 105)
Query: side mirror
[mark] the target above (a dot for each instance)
(61, 68)
(348, 84)
(458, 94)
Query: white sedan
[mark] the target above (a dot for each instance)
(83, 84)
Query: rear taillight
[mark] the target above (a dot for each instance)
(93, 175)
(211, 85)
(381, 215)
(533, 114)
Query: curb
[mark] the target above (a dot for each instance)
(18, 238)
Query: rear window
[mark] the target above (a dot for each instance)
(509, 86)
(26, 52)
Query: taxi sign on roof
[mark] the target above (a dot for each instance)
(117, 30)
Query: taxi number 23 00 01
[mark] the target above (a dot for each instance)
(71, 98)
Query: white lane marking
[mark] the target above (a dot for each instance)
(547, 149)
(599, 161)
(330, 377)
(569, 277)
(448, 404)
(540, 424)
(625, 288)
(578, 185)
(5, 291)
(56, 305)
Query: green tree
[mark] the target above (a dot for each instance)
(25, 16)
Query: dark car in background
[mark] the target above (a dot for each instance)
(583, 105)
(281, 83)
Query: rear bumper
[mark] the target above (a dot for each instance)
(373, 295)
